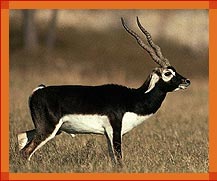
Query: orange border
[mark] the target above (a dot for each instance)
(110, 176)
(109, 5)
(213, 90)
(4, 90)
(5, 175)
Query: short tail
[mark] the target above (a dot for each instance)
(41, 86)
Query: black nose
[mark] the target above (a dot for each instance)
(187, 81)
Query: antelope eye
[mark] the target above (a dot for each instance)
(167, 73)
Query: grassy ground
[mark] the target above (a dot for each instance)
(174, 140)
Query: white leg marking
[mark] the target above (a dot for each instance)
(22, 140)
(109, 136)
(73, 135)
(48, 138)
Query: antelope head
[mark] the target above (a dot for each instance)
(167, 78)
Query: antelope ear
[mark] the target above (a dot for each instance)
(154, 79)
(145, 86)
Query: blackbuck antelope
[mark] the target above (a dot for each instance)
(110, 110)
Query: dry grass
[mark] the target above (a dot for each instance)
(174, 140)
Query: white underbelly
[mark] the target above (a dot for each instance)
(77, 123)
(130, 120)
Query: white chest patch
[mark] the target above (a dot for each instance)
(131, 120)
(78, 123)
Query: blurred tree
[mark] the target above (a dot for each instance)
(51, 36)
(29, 30)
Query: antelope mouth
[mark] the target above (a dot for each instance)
(185, 84)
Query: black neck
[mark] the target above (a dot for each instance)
(145, 85)
(154, 98)
(150, 102)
